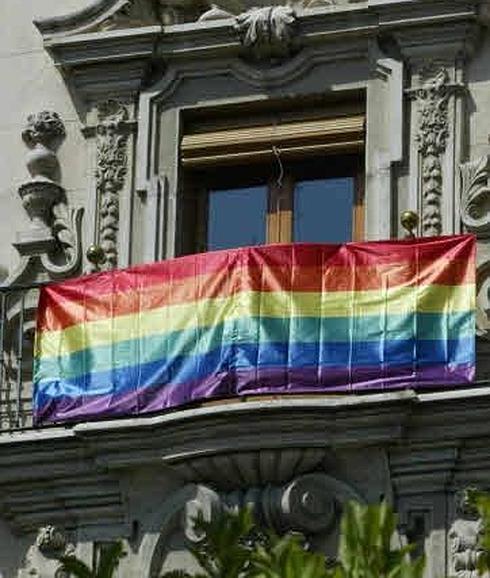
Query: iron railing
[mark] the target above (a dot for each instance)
(18, 306)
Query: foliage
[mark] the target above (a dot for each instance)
(365, 549)
(480, 501)
(229, 549)
(224, 550)
(286, 557)
(233, 547)
(108, 562)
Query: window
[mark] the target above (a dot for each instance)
(293, 180)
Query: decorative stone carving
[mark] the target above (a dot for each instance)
(309, 504)
(112, 165)
(215, 13)
(267, 33)
(131, 13)
(43, 135)
(54, 235)
(51, 541)
(431, 141)
(253, 469)
(464, 535)
(475, 201)
(475, 215)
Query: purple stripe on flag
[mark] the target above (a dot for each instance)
(250, 382)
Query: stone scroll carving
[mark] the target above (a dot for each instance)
(309, 504)
(475, 216)
(475, 201)
(112, 165)
(432, 137)
(267, 33)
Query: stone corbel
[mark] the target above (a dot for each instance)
(310, 504)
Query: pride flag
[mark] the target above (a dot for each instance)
(273, 319)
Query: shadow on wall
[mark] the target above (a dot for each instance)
(3, 276)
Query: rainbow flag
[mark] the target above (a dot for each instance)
(273, 319)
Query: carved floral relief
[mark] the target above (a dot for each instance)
(111, 171)
(432, 137)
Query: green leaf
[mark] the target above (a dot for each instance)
(109, 560)
(75, 567)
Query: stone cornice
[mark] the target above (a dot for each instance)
(429, 437)
(117, 61)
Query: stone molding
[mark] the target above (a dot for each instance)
(129, 52)
(87, 461)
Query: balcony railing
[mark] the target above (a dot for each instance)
(18, 305)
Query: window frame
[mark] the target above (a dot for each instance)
(280, 177)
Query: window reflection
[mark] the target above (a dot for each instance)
(323, 210)
(236, 217)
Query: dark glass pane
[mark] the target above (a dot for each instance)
(236, 217)
(323, 210)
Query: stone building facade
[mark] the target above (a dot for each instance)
(100, 100)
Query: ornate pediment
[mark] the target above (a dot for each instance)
(104, 15)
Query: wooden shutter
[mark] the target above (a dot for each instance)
(341, 134)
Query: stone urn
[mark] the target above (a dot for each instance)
(43, 135)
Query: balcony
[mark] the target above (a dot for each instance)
(18, 305)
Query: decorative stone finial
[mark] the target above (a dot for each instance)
(43, 135)
(45, 127)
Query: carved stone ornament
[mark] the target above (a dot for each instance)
(464, 536)
(132, 13)
(431, 141)
(215, 13)
(475, 201)
(309, 504)
(54, 235)
(51, 541)
(112, 165)
(267, 33)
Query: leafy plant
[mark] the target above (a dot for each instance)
(286, 557)
(480, 501)
(233, 547)
(107, 564)
(365, 549)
